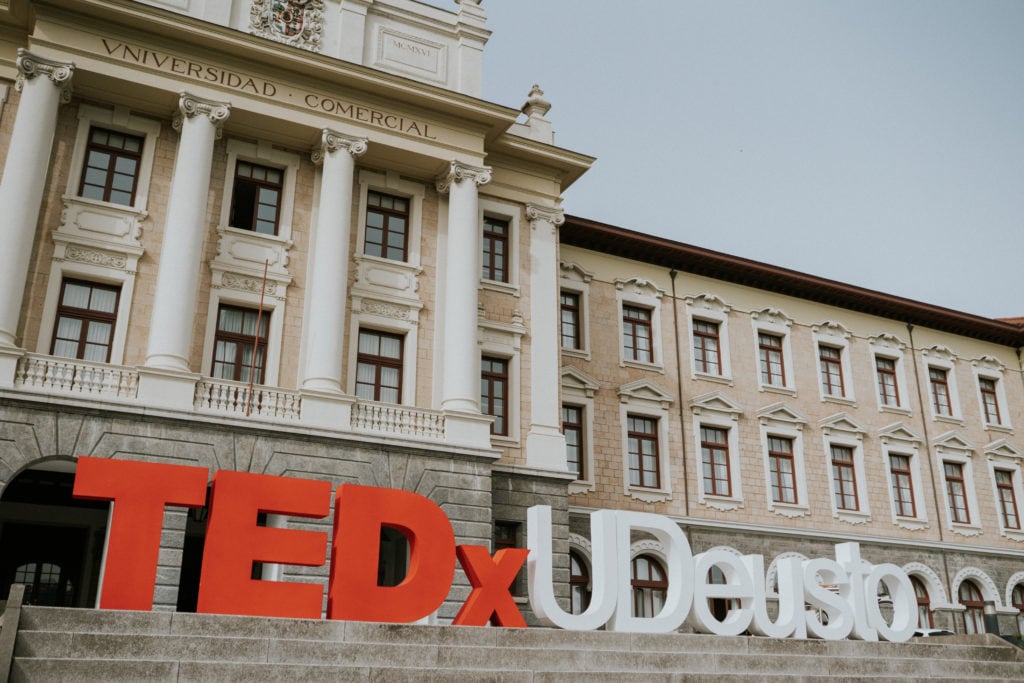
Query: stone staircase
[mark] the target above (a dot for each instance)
(58, 644)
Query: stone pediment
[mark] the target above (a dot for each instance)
(717, 402)
(780, 412)
(707, 302)
(639, 286)
(899, 432)
(772, 316)
(573, 378)
(1002, 449)
(574, 271)
(831, 328)
(842, 422)
(887, 341)
(644, 390)
(953, 442)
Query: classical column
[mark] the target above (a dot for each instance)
(460, 390)
(44, 85)
(328, 276)
(545, 443)
(174, 303)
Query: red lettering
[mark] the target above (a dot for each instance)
(234, 542)
(359, 514)
(139, 491)
(490, 599)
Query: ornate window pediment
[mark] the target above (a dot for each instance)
(887, 341)
(780, 412)
(643, 390)
(938, 352)
(842, 422)
(575, 272)
(951, 441)
(707, 302)
(572, 378)
(716, 402)
(638, 286)
(831, 328)
(772, 316)
(898, 432)
(1002, 449)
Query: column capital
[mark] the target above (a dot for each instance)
(332, 141)
(190, 105)
(480, 175)
(554, 216)
(59, 73)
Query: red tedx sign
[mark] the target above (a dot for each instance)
(140, 491)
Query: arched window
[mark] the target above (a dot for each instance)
(1017, 600)
(720, 607)
(649, 586)
(974, 607)
(579, 583)
(924, 604)
(44, 584)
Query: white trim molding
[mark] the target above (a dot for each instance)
(716, 411)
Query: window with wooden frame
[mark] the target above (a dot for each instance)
(773, 368)
(888, 388)
(111, 170)
(494, 393)
(642, 440)
(1017, 601)
(495, 245)
(235, 341)
(579, 583)
(649, 586)
(706, 356)
(1007, 499)
(901, 479)
(831, 367)
(572, 428)
(379, 366)
(506, 535)
(844, 478)
(938, 378)
(781, 470)
(571, 321)
(636, 334)
(256, 198)
(989, 400)
(387, 226)
(714, 447)
(86, 314)
(974, 607)
(924, 604)
(956, 492)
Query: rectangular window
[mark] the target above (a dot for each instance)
(957, 492)
(235, 341)
(86, 315)
(506, 535)
(256, 198)
(780, 466)
(636, 334)
(705, 347)
(379, 367)
(494, 393)
(989, 400)
(830, 360)
(939, 381)
(571, 330)
(902, 485)
(111, 169)
(714, 448)
(888, 391)
(1007, 499)
(642, 437)
(387, 226)
(572, 428)
(495, 257)
(844, 478)
(773, 370)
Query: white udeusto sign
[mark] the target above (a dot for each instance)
(847, 608)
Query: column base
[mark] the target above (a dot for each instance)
(467, 429)
(327, 409)
(173, 389)
(9, 357)
(545, 449)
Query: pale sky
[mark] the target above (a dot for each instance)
(876, 142)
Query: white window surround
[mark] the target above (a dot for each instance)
(942, 358)
(573, 278)
(507, 212)
(578, 389)
(842, 430)
(781, 421)
(898, 439)
(988, 367)
(937, 596)
(771, 574)
(1002, 455)
(1017, 577)
(951, 447)
(644, 399)
(834, 334)
(235, 290)
(775, 322)
(378, 316)
(890, 347)
(989, 590)
(713, 409)
(710, 308)
(393, 184)
(504, 340)
(642, 293)
(265, 154)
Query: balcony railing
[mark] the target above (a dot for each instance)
(67, 376)
(386, 418)
(225, 396)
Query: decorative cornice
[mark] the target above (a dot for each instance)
(458, 171)
(332, 141)
(190, 105)
(59, 73)
(536, 212)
